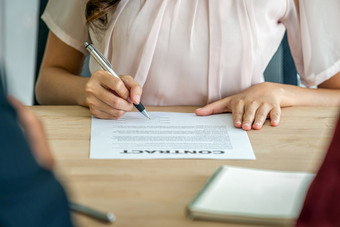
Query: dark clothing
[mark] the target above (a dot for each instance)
(322, 203)
(29, 194)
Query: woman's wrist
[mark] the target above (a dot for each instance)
(81, 97)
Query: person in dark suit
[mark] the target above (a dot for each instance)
(322, 202)
(30, 195)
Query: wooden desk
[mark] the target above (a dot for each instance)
(156, 192)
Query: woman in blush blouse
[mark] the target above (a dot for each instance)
(196, 52)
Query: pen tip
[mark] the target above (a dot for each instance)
(111, 217)
(146, 114)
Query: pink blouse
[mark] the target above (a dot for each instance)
(193, 52)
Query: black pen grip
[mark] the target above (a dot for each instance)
(139, 107)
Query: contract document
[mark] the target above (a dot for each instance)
(169, 135)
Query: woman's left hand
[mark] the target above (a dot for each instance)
(252, 107)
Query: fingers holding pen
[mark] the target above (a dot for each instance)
(113, 84)
(123, 87)
(107, 96)
(134, 88)
(100, 109)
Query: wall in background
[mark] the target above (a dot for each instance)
(20, 44)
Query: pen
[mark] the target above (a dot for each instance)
(105, 217)
(106, 65)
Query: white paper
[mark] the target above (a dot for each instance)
(255, 193)
(169, 135)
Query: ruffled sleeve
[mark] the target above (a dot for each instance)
(314, 38)
(66, 19)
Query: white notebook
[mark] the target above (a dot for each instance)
(256, 196)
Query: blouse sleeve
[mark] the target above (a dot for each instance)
(66, 19)
(314, 38)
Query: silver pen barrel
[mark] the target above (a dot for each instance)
(99, 58)
(101, 216)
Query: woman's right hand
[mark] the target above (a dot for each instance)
(109, 97)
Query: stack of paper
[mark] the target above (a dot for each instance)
(251, 196)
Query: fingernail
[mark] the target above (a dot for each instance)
(246, 126)
(137, 99)
(257, 125)
(274, 122)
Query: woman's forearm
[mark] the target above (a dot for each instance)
(57, 86)
(59, 82)
(318, 97)
(327, 94)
